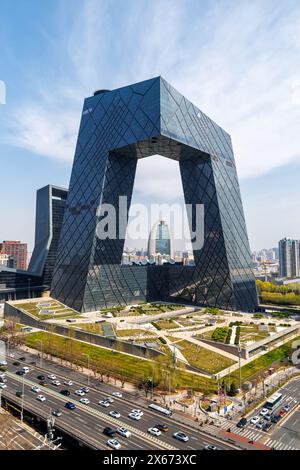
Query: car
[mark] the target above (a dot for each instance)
(138, 412)
(52, 377)
(68, 382)
(70, 405)
(71, 320)
(56, 413)
(162, 427)
(19, 393)
(264, 412)
(35, 389)
(26, 370)
(85, 401)
(255, 419)
(22, 358)
(41, 377)
(79, 392)
(181, 436)
(104, 403)
(56, 383)
(267, 426)
(275, 419)
(210, 447)
(286, 408)
(2, 385)
(154, 431)
(114, 444)
(260, 424)
(66, 393)
(16, 363)
(134, 416)
(242, 423)
(115, 414)
(20, 372)
(85, 389)
(109, 431)
(117, 394)
(124, 432)
(43, 383)
(11, 355)
(109, 399)
(3, 363)
(282, 412)
(268, 416)
(41, 398)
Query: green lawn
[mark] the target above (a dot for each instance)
(203, 358)
(165, 324)
(134, 332)
(59, 310)
(130, 368)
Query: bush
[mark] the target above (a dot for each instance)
(158, 327)
(162, 340)
(237, 335)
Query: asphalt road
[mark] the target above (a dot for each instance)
(88, 421)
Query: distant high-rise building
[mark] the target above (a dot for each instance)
(289, 265)
(7, 261)
(50, 209)
(160, 240)
(17, 250)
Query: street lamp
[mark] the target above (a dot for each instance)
(22, 400)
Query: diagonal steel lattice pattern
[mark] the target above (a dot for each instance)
(118, 127)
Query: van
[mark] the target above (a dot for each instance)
(25, 370)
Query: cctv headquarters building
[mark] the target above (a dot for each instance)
(117, 128)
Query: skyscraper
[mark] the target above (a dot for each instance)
(289, 257)
(117, 128)
(50, 208)
(160, 240)
(17, 250)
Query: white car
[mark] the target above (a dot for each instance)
(68, 382)
(3, 385)
(115, 414)
(180, 436)
(3, 363)
(56, 383)
(264, 411)
(104, 403)
(117, 394)
(255, 419)
(109, 399)
(138, 412)
(41, 398)
(80, 393)
(134, 416)
(35, 389)
(85, 401)
(114, 444)
(51, 376)
(124, 432)
(154, 431)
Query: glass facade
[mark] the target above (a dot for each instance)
(118, 127)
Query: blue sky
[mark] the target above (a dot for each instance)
(237, 60)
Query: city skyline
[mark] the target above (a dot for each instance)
(53, 83)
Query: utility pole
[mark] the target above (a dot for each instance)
(22, 400)
(41, 362)
(240, 369)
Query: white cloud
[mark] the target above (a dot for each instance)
(239, 61)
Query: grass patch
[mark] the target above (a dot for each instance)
(134, 332)
(203, 358)
(125, 367)
(165, 324)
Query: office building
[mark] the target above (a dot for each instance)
(117, 128)
(289, 265)
(160, 240)
(17, 250)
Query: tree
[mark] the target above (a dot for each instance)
(233, 390)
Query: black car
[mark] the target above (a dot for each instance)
(16, 363)
(41, 377)
(162, 427)
(65, 392)
(109, 431)
(22, 358)
(267, 426)
(20, 372)
(242, 422)
(275, 419)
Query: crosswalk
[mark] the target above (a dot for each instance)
(278, 445)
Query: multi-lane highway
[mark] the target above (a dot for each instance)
(88, 421)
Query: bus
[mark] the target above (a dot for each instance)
(273, 401)
(165, 411)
